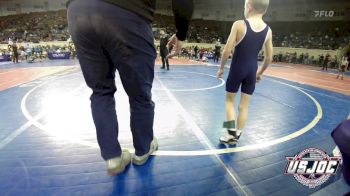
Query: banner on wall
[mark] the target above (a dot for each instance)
(5, 57)
(61, 55)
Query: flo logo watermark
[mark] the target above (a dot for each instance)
(312, 167)
(324, 13)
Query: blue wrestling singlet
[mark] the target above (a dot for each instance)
(244, 62)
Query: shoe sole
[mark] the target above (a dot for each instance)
(145, 160)
(231, 142)
(113, 172)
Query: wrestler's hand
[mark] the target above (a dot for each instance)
(220, 73)
(258, 77)
(173, 41)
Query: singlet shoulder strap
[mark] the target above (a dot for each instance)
(247, 24)
(251, 29)
(267, 28)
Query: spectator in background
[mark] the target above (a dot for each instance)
(37, 51)
(29, 50)
(301, 58)
(280, 57)
(326, 62)
(201, 53)
(217, 51)
(72, 51)
(334, 61)
(164, 39)
(321, 59)
(14, 52)
(23, 54)
(343, 66)
(294, 57)
(306, 59)
(191, 53)
(10, 42)
(195, 49)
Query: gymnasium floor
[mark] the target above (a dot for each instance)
(48, 143)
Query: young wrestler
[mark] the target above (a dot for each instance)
(247, 38)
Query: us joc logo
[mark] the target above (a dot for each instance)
(312, 167)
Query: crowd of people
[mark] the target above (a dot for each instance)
(52, 26)
(32, 53)
(309, 35)
(197, 33)
(34, 27)
(202, 54)
(324, 60)
(313, 35)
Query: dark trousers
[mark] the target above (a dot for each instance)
(163, 54)
(341, 138)
(15, 58)
(216, 58)
(325, 66)
(165, 61)
(109, 38)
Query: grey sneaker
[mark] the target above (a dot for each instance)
(140, 160)
(117, 165)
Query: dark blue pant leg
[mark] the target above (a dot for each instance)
(99, 73)
(136, 69)
(108, 37)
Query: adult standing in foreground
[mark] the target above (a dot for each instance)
(341, 137)
(112, 35)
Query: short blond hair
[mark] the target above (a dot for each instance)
(260, 6)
